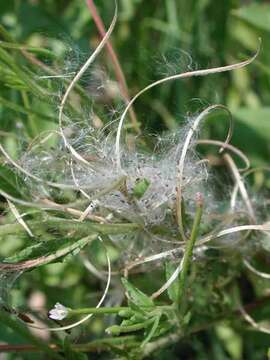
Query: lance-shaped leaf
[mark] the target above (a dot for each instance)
(173, 289)
(152, 331)
(44, 253)
(136, 295)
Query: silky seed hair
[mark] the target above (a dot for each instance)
(90, 166)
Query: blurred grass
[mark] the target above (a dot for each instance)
(152, 38)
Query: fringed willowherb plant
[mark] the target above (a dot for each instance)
(81, 184)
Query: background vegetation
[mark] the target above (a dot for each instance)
(152, 38)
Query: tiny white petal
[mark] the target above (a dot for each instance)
(59, 312)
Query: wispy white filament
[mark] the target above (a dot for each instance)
(181, 163)
(255, 271)
(19, 217)
(77, 77)
(170, 281)
(263, 227)
(253, 323)
(240, 184)
(189, 74)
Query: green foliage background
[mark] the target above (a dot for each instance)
(152, 38)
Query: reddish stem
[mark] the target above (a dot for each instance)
(5, 348)
(116, 64)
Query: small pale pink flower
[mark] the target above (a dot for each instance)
(59, 312)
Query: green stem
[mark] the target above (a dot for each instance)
(117, 330)
(109, 310)
(133, 341)
(106, 229)
(67, 225)
(101, 310)
(188, 254)
(180, 213)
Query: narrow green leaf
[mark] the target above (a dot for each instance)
(22, 74)
(256, 119)
(164, 327)
(136, 309)
(35, 50)
(136, 295)
(46, 252)
(23, 110)
(9, 181)
(5, 34)
(152, 332)
(173, 290)
(255, 14)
